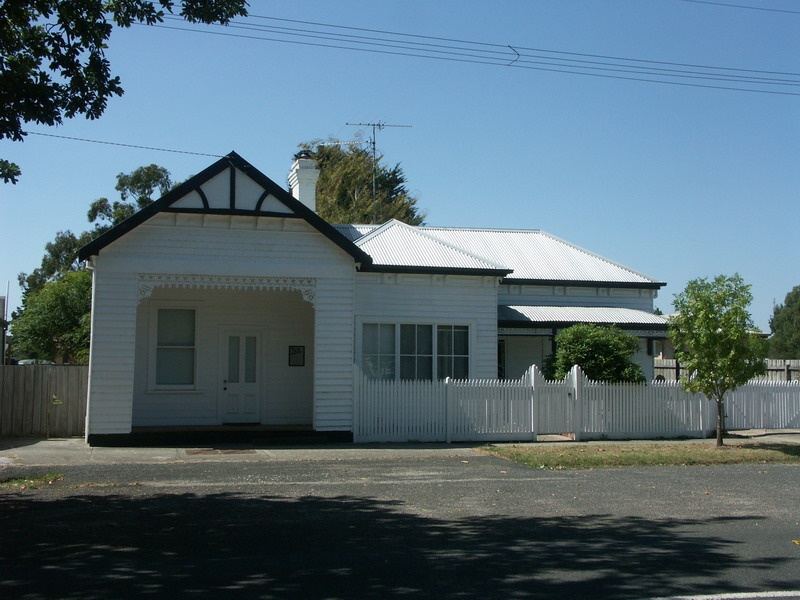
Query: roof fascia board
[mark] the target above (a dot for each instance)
(372, 268)
(645, 285)
(564, 324)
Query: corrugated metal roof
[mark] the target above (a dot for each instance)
(399, 245)
(353, 232)
(538, 255)
(531, 255)
(580, 314)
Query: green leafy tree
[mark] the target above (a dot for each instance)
(136, 191)
(59, 283)
(602, 352)
(715, 340)
(344, 189)
(785, 327)
(52, 56)
(55, 322)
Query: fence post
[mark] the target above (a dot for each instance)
(533, 372)
(575, 375)
(356, 403)
(447, 411)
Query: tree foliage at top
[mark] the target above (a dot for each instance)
(52, 56)
(785, 327)
(54, 320)
(715, 340)
(344, 189)
(136, 191)
(602, 352)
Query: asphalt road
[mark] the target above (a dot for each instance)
(467, 526)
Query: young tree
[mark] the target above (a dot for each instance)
(785, 327)
(52, 56)
(715, 340)
(54, 324)
(344, 189)
(603, 353)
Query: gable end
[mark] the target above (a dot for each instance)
(230, 186)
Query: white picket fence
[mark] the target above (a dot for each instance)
(522, 409)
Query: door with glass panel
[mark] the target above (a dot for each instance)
(241, 397)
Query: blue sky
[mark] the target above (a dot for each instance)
(673, 181)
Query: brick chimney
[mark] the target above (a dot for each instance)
(303, 179)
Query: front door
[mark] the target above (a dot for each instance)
(241, 388)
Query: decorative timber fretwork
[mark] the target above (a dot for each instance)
(305, 285)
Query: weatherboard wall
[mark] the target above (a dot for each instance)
(216, 249)
(434, 299)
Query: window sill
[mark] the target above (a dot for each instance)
(161, 391)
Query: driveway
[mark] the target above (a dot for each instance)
(433, 522)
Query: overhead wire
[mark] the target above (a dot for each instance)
(77, 139)
(745, 6)
(315, 34)
(401, 44)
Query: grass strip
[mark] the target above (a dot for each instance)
(32, 482)
(608, 455)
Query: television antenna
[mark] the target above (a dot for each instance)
(376, 127)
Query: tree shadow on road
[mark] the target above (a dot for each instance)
(99, 545)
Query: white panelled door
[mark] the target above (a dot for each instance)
(241, 386)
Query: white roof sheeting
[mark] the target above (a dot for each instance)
(530, 254)
(399, 245)
(537, 255)
(580, 314)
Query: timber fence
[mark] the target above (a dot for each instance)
(778, 369)
(43, 400)
(521, 410)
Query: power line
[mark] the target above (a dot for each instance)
(77, 139)
(727, 5)
(502, 47)
(453, 50)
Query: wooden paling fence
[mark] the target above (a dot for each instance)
(43, 400)
(497, 410)
(777, 369)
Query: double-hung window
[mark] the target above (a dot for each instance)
(175, 347)
(407, 351)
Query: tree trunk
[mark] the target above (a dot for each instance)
(720, 420)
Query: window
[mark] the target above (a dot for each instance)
(416, 352)
(406, 351)
(453, 351)
(379, 351)
(175, 347)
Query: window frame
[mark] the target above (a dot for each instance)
(153, 347)
(398, 355)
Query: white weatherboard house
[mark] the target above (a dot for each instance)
(230, 301)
